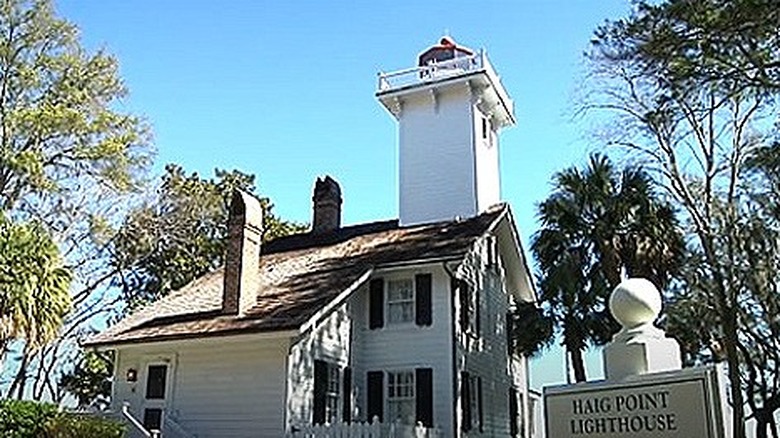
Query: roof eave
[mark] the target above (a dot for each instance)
(281, 332)
(524, 286)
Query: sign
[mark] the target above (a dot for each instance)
(685, 403)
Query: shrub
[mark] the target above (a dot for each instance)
(24, 419)
(84, 426)
(29, 419)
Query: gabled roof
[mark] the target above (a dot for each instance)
(299, 275)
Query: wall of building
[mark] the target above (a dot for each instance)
(488, 188)
(329, 341)
(407, 346)
(486, 355)
(217, 387)
(436, 157)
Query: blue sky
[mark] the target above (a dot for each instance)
(285, 90)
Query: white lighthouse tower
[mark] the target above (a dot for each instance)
(450, 109)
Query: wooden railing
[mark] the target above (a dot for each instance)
(374, 429)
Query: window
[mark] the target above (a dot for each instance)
(492, 252)
(327, 384)
(484, 128)
(404, 396)
(332, 395)
(152, 419)
(471, 401)
(469, 308)
(400, 397)
(474, 396)
(400, 301)
(155, 381)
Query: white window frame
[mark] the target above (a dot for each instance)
(393, 398)
(410, 301)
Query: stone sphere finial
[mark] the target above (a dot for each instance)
(635, 302)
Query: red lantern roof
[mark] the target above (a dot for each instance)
(446, 50)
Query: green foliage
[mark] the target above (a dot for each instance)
(532, 330)
(179, 235)
(89, 380)
(34, 286)
(692, 43)
(29, 419)
(84, 426)
(597, 227)
(69, 158)
(25, 419)
(175, 237)
(692, 87)
(58, 115)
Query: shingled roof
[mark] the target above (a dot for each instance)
(299, 275)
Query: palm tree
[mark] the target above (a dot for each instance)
(598, 226)
(34, 286)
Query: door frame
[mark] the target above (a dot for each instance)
(165, 403)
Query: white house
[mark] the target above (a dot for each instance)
(403, 320)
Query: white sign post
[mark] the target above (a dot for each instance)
(647, 393)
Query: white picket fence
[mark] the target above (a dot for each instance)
(375, 429)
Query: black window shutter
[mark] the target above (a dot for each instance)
(320, 384)
(375, 387)
(376, 299)
(465, 400)
(453, 295)
(478, 313)
(479, 405)
(509, 335)
(422, 290)
(513, 429)
(463, 290)
(346, 412)
(423, 381)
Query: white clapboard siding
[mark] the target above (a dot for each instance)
(436, 157)
(408, 346)
(218, 387)
(487, 357)
(329, 341)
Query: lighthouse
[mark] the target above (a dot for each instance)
(450, 109)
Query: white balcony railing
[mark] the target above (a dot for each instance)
(398, 80)
(433, 72)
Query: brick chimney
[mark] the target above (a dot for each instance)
(327, 205)
(242, 257)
